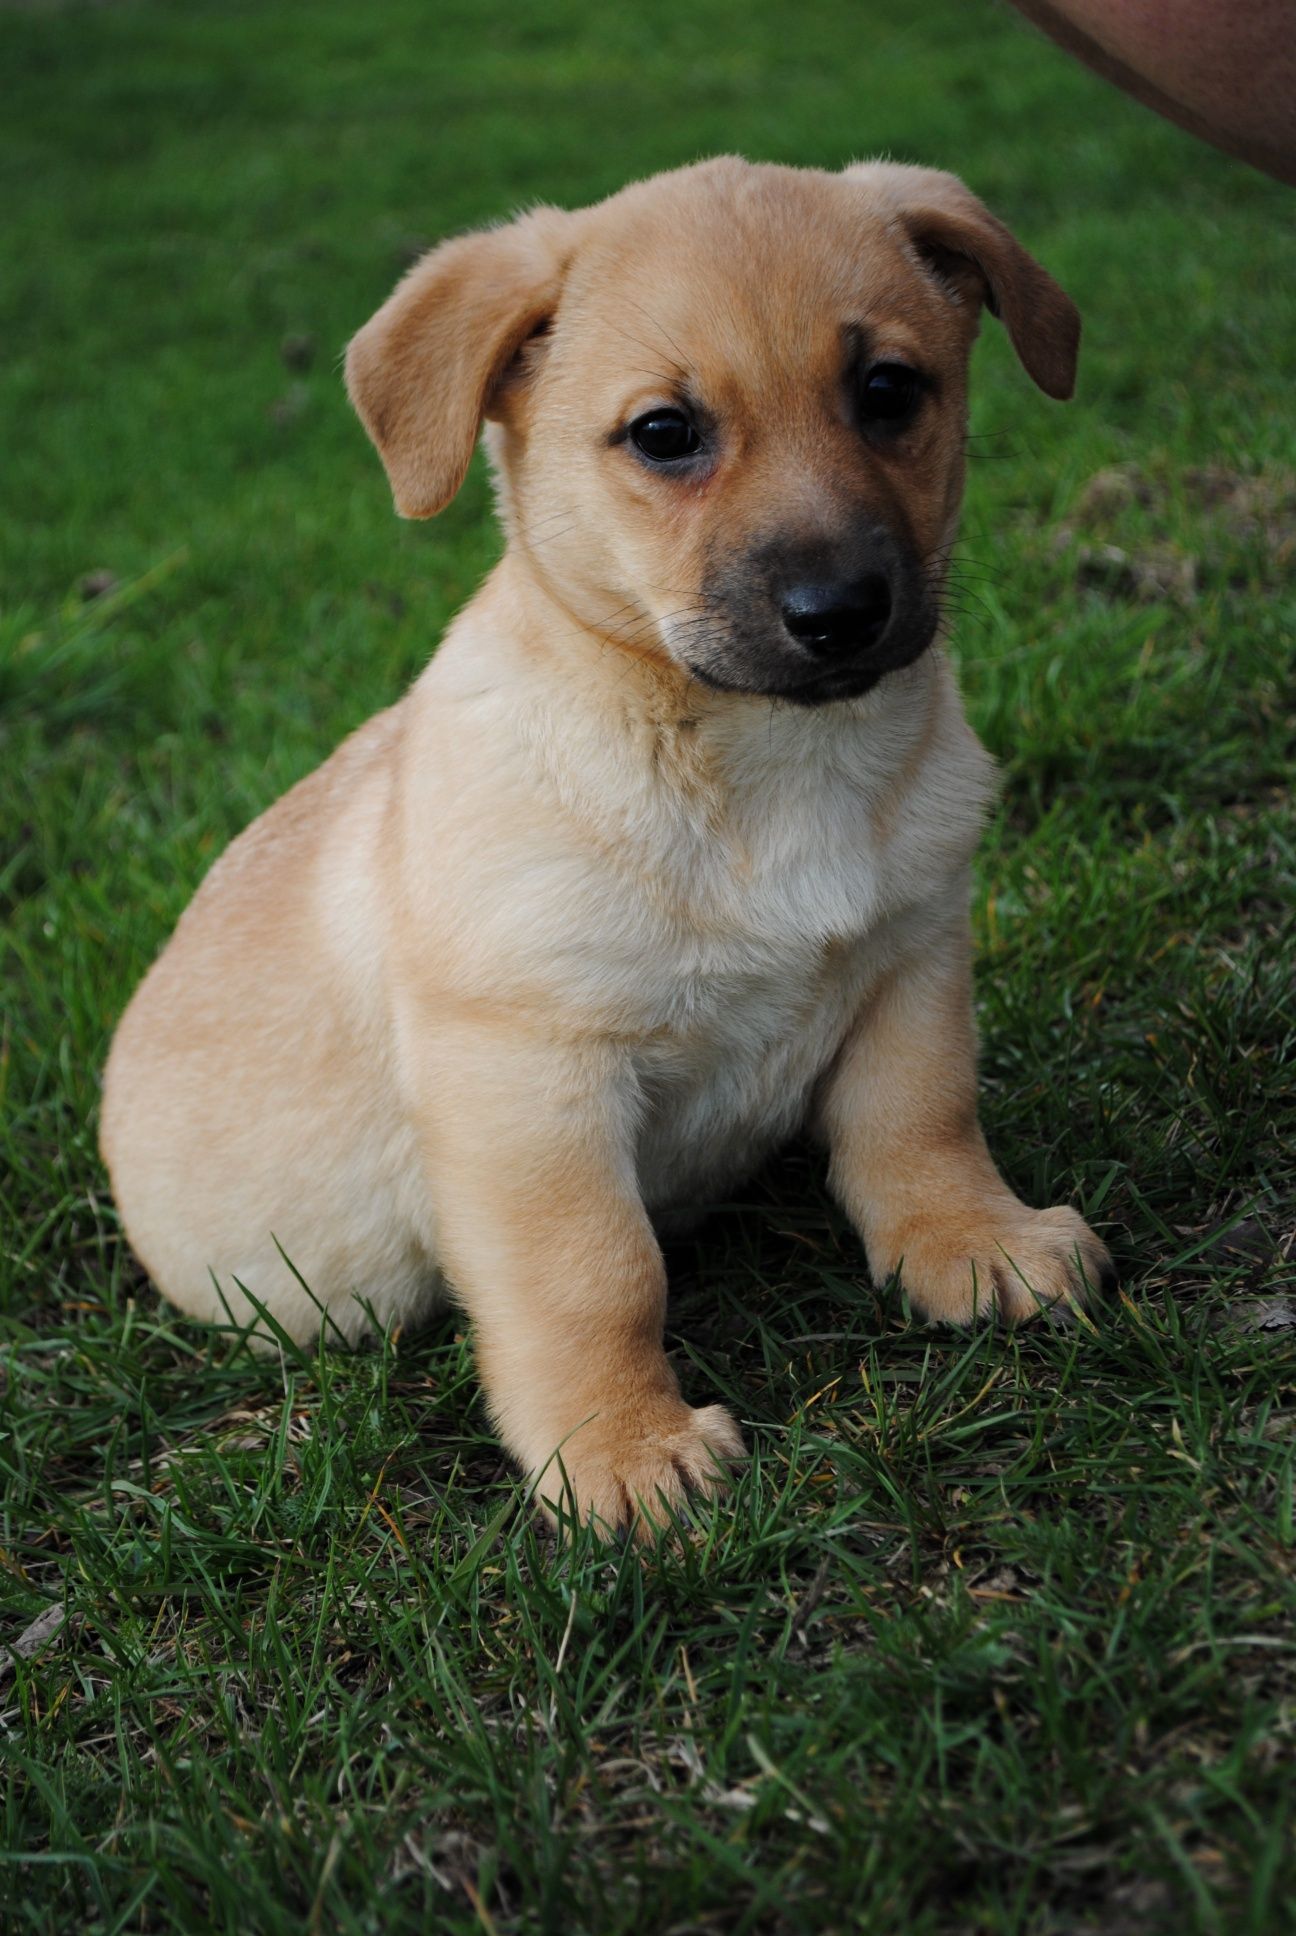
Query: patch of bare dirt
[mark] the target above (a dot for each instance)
(1125, 537)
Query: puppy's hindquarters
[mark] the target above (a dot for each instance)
(249, 1108)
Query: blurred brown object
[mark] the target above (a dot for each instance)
(1223, 69)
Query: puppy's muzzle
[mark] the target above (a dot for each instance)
(814, 620)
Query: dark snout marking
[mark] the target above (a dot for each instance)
(817, 620)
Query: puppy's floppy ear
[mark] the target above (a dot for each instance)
(972, 252)
(426, 369)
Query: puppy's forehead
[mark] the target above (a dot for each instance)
(742, 270)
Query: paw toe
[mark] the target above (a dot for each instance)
(1058, 1264)
(632, 1482)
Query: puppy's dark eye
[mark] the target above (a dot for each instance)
(890, 394)
(664, 436)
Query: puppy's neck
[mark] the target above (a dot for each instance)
(607, 641)
(609, 694)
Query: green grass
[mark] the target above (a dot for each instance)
(996, 1633)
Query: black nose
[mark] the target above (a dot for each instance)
(834, 620)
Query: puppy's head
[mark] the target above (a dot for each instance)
(728, 406)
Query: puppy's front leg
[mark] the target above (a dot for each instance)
(910, 1164)
(542, 1232)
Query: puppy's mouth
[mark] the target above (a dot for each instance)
(759, 671)
(818, 690)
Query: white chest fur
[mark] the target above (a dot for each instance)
(715, 893)
(762, 905)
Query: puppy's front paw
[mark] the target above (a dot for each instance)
(1012, 1264)
(631, 1469)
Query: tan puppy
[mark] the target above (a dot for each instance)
(665, 854)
